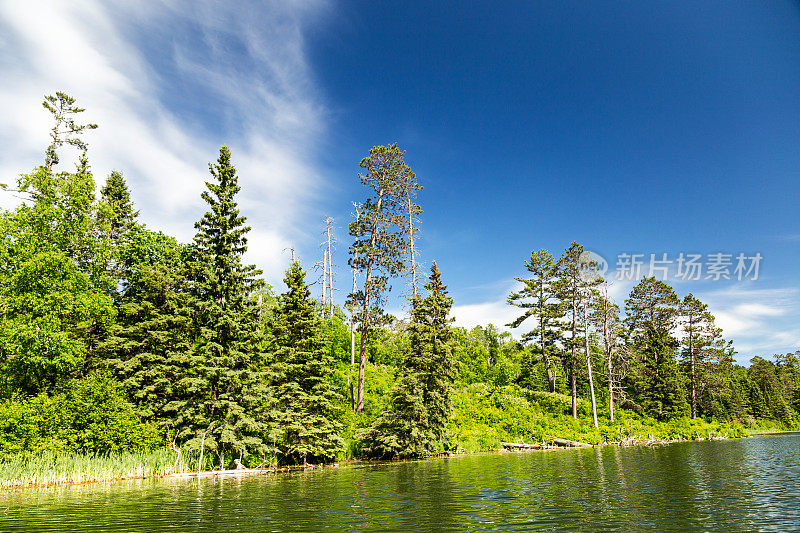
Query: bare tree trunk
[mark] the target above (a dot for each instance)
(572, 370)
(324, 282)
(353, 308)
(691, 368)
(362, 362)
(328, 223)
(412, 249)
(589, 359)
(607, 346)
(551, 376)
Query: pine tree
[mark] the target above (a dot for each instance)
(539, 299)
(569, 287)
(421, 403)
(699, 333)
(303, 398)
(379, 246)
(651, 311)
(227, 392)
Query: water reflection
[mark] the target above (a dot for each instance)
(745, 485)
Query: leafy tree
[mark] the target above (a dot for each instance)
(303, 398)
(379, 247)
(52, 306)
(226, 390)
(539, 298)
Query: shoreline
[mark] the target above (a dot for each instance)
(539, 447)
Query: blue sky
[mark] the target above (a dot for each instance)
(632, 127)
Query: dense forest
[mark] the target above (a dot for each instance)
(116, 337)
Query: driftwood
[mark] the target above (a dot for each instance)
(568, 443)
(519, 446)
(213, 473)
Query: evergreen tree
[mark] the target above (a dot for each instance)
(149, 345)
(569, 287)
(651, 311)
(379, 246)
(119, 212)
(303, 399)
(421, 404)
(699, 333)
(539, 299)
(226, 394)
(116, 220)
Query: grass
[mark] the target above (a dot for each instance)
(52, 468)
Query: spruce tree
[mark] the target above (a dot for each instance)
(119, 212)
(149, 345)
(303, 400)
(421, 399)
(226, 394)
(435, 338)
(116, 219)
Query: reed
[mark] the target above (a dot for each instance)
(52, 468)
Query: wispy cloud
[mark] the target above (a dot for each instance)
(169, 83)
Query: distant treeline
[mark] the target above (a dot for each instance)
(116, 337)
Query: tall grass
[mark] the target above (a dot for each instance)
(52, 468)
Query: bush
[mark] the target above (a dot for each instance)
(90, 416)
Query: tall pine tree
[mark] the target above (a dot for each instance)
(538, 297)
(654, 380)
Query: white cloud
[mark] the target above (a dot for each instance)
(168, 83)
(759, 321)
(498, 313)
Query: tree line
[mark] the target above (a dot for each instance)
(114, 336)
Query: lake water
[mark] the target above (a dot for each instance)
(737, 485)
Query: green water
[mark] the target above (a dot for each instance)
(738, 485)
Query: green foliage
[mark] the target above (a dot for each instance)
(90, 415)
(116, 338)
(225, 390)
(149, 345)
(421, 405)
(303, 400)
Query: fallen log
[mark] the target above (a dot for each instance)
(568, 443)
(212, 473)
(520, 446)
